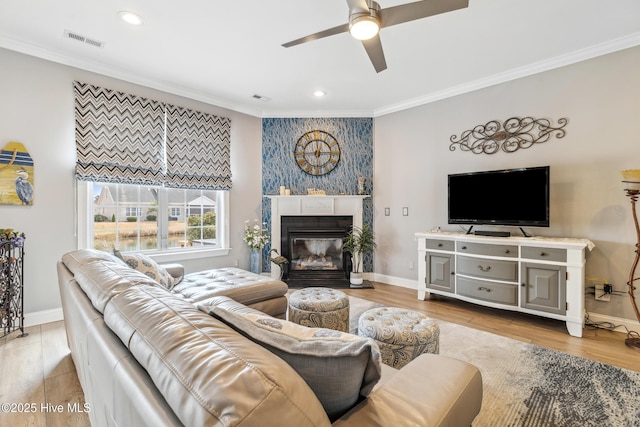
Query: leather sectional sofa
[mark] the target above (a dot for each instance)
(147, 355)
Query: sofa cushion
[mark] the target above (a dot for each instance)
(241, 285)
(340, 368)
(76, 259)
(149, 267)
(208, 373)
(101, 275)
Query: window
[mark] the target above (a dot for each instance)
(148, 218)
(129, 211)
(151, 175)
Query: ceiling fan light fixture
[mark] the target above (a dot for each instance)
(364, 27)
(367, 18)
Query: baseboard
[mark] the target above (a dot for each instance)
(41, 317)
(619, 322)
(395, 281)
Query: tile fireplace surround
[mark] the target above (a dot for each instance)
(311, 206)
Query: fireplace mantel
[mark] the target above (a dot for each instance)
(347, 205)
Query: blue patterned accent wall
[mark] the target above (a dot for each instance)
(279, 137)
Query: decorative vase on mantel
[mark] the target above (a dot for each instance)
(255, 261)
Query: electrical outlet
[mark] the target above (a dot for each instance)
(601, 295)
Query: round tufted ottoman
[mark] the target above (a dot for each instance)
(320, 308)
(401, 334)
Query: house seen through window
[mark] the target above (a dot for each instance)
(137, 217)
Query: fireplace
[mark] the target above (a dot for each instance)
(348, 209)
(313, 246)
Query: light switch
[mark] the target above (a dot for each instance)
(405, 211)
(387, 211)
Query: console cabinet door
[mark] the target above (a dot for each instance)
(440, 268)
(544, 288)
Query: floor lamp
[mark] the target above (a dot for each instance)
(631, 179)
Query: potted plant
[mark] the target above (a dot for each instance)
(358, 242)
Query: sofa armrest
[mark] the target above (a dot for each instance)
(174, 269)
(432, 390)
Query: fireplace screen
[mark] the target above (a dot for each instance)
(316, 253)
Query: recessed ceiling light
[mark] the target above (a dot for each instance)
(319, 93)
(130, 17)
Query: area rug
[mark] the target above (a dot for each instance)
(527, 385)
(357, 306)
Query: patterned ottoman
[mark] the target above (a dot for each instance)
(320, 308)
(401, 334)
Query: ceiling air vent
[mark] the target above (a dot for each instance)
(83, 39)
(261, 98)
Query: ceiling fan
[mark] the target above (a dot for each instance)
(366, 18)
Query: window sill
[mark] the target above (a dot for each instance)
(184, 255)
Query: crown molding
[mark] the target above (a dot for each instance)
(570, 58)
(38, 52)
(517, 73)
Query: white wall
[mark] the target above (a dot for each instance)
(37, 109)
(600, 98)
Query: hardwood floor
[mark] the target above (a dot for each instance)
(596, 344)
(39, 382)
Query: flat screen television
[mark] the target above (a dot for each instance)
(515, 197)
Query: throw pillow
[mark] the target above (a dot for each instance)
(149, 267)
(340, 368)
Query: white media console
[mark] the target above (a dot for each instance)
(535, 275)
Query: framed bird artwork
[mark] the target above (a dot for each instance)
(16, 175)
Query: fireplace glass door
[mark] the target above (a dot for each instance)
(316, 253)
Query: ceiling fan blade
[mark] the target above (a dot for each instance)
(418, 10)
(326, 33)
(373, 46)
(358, 6)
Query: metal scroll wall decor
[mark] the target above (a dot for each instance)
(512, 135)
(11, 282)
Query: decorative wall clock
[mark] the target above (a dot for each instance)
(317, 152)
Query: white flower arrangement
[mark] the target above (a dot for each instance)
(255, 235)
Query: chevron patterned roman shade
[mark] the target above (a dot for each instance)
(119, 137)
(125, 139)
(198, 148)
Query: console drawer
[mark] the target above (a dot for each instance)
(507, 251)
(488, 268)
(544, 254)
(494, 292)
(441, 245)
